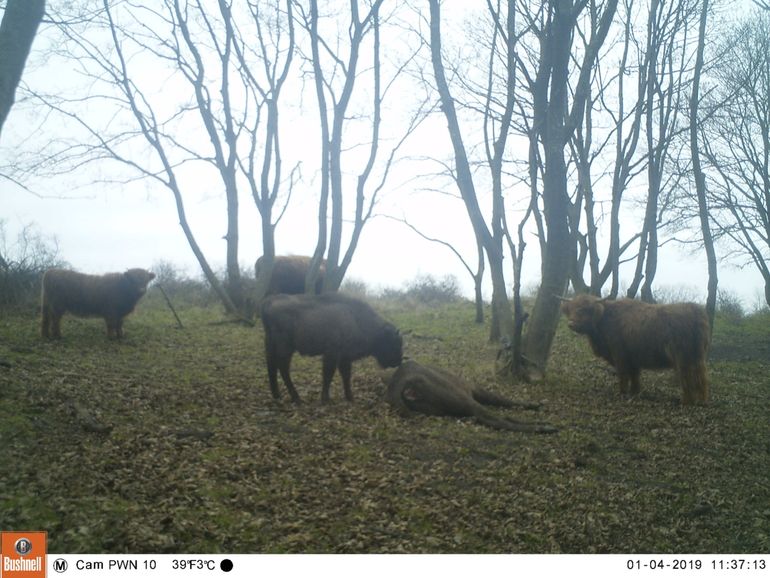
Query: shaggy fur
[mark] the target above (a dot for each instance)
(112, 296)
(338, 327)
(415, 388)
(289, 272)
(632, 336)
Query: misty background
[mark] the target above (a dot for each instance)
(103, 215)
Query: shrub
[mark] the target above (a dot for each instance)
(678, 294)
(180, 287)
(22, 266)
(426, 289)
(355, 287)
(730, 306)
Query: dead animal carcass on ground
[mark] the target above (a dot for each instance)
(632, 335)
(340, 328)
(111, 296)
(432, 391)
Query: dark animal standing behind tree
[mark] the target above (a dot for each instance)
(338, 327)
(289, 272)
(632, 336)
(112, 296)
(432, 391)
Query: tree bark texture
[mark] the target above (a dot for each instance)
(17, 31)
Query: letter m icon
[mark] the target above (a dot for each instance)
(60, 565)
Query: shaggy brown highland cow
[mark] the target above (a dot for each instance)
(112, 296)
(416, 388)
(338, 327)
(289, 272)
(632, 336)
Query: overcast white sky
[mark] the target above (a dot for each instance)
(100, 229)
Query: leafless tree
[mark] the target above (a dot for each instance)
(736, 146)
(214, 118)
(337, 69)
(498, 119)
(490, 240)
(275, 49)
(555, 119)
(669, 28)
(698, 174)
(598, 154)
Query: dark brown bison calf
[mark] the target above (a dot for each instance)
(632, 336)
(289, 272)
(338, 327)
(432, 391)
(112, 296)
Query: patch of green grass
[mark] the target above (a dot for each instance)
(169, 441)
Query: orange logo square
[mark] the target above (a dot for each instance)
(23, 554)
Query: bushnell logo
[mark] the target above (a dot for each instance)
(22, 554)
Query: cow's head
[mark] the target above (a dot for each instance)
(583, 313)
(388, 346)
(139, 279)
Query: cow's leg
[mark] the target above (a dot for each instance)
(56, 324)
(45, 322)
(700, 381)
(635, 384)
(111, 322)
(692, 388)
(345, 366)
(284, 363)
(693, 380)
(623, 379)
(272, 367)
(687, 396)
(329, 367)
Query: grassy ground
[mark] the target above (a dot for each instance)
(170, 442)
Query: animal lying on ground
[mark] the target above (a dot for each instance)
(112, 296)
(289, 273)
(632, 336)
(416, 388)
(340, 328)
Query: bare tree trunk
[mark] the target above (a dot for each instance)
(550, 111)
(502, 321)
(626, 141)
(333, 123)
(323, 205)
(208, 272)
(580, 147)
(667, 63)
(519, 315)
(555, 124)
(17, 31)
(266, 191)
(492, 245)
(478, 278)
(736, 144)
(700, 177)
(654, 170)
(152, 133)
